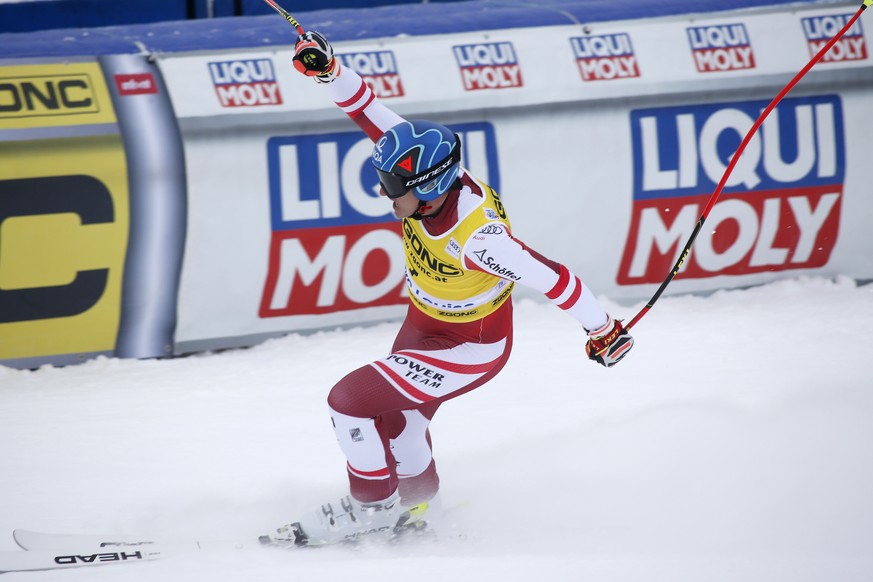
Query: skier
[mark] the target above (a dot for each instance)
(462, 262)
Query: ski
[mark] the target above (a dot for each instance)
(50, 551)
(16, 561)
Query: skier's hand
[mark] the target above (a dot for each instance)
(313, 56)
(609, 344)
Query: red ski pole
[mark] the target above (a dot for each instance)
(684, 254)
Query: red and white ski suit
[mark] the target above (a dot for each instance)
(461, 267)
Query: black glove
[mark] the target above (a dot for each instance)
(313, 56)
(609, 344)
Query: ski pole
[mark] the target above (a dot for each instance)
(687, 249)
(287, 16)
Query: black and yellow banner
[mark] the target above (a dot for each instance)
(63, 211)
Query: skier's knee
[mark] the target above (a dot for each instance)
(353, 395)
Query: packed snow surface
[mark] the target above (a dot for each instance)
(733, 444)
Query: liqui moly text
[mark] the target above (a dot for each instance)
(780, 209)
(818, 30)
(488, 66)
(245, 83)
(721, 47)
(605, 57)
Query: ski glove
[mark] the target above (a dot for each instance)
(609, 344)
(313, 56)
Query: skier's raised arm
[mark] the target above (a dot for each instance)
(314, 58)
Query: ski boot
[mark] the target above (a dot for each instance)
(349, 520)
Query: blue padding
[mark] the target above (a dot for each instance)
(219, 8)
(351, 24)
(26, 16)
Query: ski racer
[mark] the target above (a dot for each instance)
(462, 262)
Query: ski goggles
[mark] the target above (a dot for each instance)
(396, 186)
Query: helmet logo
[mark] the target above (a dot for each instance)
(406, 164)
(377, 150)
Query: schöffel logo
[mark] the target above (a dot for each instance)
(605, 57)
(245, 83)
(336, 245)
(488, 66)
(137, 84)
(722, 47)
(378, 70)
(780, 209)
(820, 29)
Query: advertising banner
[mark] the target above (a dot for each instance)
(64, 219)
(167, 202)
(558, 141)
(92, 211)
(780, 209)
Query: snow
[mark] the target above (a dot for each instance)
(733, 444)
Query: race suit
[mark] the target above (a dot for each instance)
(461, 267)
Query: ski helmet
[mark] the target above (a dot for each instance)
(418, 155)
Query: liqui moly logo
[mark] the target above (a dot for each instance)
(605, 57)
(722, 47)
(335, 243)
(488, 66)
(780, 209)
(820, 29)
(245, 83)
(378, 70)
